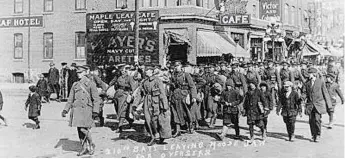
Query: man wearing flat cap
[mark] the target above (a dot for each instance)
(334, 91)
(184, 87)
(290, 107)
(318, 100)
(53, 81)
(84, 103)
(63, 81)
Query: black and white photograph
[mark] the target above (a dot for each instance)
(172, 78)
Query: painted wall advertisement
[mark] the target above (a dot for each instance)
(110, 37)
(270, 9)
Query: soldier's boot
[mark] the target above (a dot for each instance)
(161, 141)
(251, 132)
(83, 151)
(119, 130)
(263, 131)
(178, 131)
(221, 135)
(152, 141)
(101, 122)
(237, 130)
(330, 125)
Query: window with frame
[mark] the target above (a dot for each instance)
(293, 15)
(48, 5)
(200, 3)
(48, 45)
(80, 45)
(18, 46)
(240, 38)
(178, 2)
(18, 6)
(121, 3)
(299, 17)
(286, 13)
(254, 11)
(80, 4)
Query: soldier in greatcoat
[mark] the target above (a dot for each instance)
(124, 86)
(238, 78)
(196, 107)
(94, 77)
(318, 100)
(210, 77)
(290, 107)
(272, 78)
(156, 108)
(84, 103)
(184, 86)
(331, 68)
(285, 73)
(254, 107)
(73, 77)
(334, 91)
(252, 74)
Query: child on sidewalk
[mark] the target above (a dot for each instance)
(42, 88)
(231, 100)
(34, 104)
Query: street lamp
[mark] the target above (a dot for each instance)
(273, 31)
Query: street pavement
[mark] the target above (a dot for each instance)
(57, 139)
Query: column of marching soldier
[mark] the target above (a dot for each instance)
(183, 96)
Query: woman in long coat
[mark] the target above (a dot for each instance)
(255, 106)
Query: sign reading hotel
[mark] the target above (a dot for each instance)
(231, 19)
(34, 21)
(111, 38)
(270, 9)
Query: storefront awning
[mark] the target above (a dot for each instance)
(306, 51)
(323, 51)
(336, 52)
(216, 44)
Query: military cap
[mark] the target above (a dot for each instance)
(223, 63)
(178, 63)
(120, 65)
(330, 59)
(149, 67)
(263, 84)
(288, 83)
(73, 65)
(187, 64)
(63, 63)
(45, 75)
(253, 81)
(32, 88)
(207, 66)
(40, 75)
(234, 63)
(332, 75)
(312, 70)
(213, 65)
(51, 64)
(81, 68)
(249, 64)
(229, 82)
(284, 63)
(201, 65)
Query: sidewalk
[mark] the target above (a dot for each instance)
(15, 86)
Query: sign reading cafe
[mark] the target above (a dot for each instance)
(34, 21)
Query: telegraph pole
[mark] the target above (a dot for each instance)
(136, 32)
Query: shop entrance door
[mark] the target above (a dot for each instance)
(177, 52)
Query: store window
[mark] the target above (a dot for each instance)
(121, 3)
(48, 45)
(80, 4)
(18, 6)
(80, 45)
(240, 37)
(18, 46)
(48, 5)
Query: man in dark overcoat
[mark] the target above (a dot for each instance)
(53, 80)
(318, 100)
(73, 77)
(84, 103)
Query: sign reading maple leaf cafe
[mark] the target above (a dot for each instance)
(235, 13)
